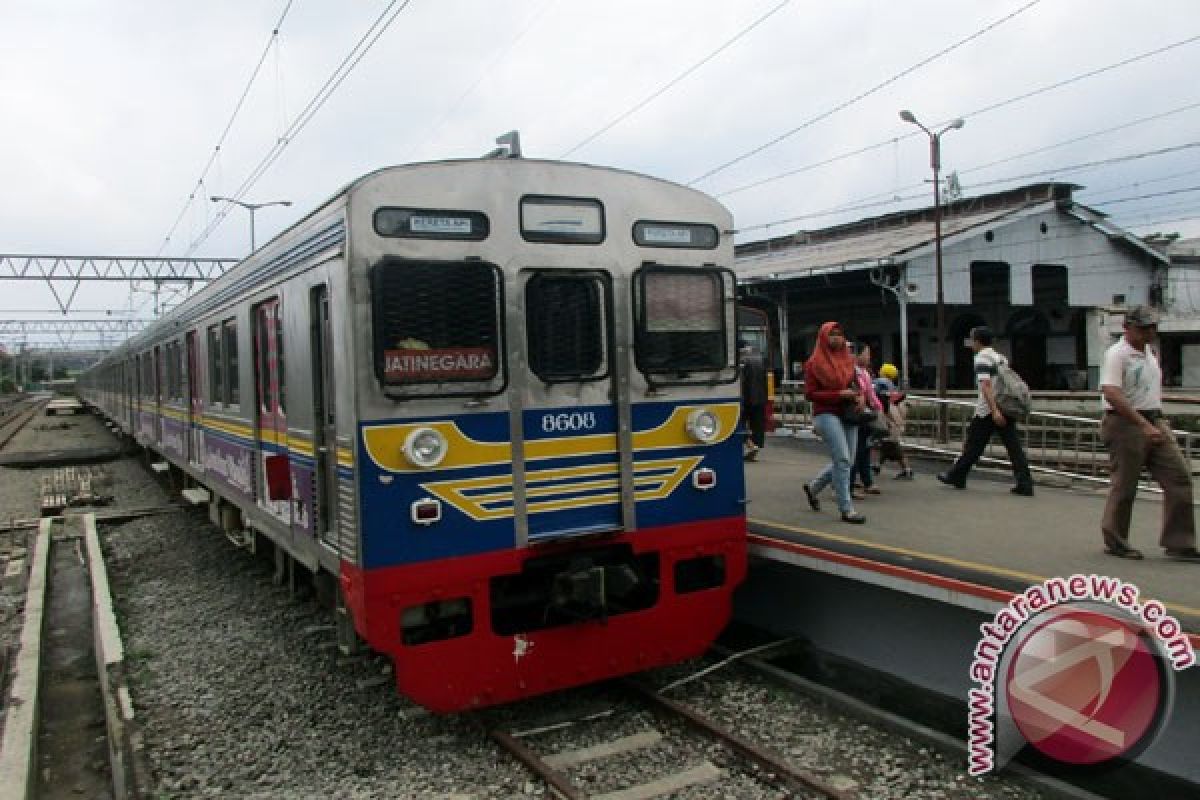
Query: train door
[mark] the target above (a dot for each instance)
(324, 417)
(158, 394)
(274, 476)
(577, 476)
(195, 434)
(139, 373)
(131, 395)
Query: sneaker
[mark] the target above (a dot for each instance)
(1183, 553)
(944, 477)
(904, 475)
(853, 517)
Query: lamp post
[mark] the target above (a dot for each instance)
(935, 161)
(251, 207)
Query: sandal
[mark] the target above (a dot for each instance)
(1121, 551)
(813, 502)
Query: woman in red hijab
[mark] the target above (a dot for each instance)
(829, 382)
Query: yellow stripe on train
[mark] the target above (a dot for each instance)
(558, 489)
(385, 443)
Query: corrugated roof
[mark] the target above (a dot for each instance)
(868, 249)
(1099, 221)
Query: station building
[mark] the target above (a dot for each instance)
(1052, 277)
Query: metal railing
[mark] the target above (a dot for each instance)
(1062, 445)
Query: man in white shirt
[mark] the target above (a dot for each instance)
(1137, 434)
(987, 420)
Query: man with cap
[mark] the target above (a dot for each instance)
(1138, 435)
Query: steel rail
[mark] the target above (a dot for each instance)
(764, 758)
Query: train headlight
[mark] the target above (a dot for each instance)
(425, 447)
(703, 426)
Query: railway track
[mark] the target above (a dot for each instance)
(611, 750)
(15, 414)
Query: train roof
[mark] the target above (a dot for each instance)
(340, 196)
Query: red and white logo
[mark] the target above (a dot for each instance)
(446, 363)
(1085, 687)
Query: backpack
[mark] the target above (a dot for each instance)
(1012, 393)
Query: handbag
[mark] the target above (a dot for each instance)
(855, 414)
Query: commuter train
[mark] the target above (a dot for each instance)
(492, 402)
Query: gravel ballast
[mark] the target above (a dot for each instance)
(239, 691)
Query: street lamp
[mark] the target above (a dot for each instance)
(935, 161)
(251, 207)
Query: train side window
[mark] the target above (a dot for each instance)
(216, 389)
(229, 347)
(437, 324)
(680, 324)
(564, 323)
(280, 372)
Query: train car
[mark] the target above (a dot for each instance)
(495, 399)
(754, 329)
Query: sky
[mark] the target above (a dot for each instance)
(116, 112)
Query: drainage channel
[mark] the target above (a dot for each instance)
(68, 729)
(72, 741)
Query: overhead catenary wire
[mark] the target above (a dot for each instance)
(380, 26)
(488, 70)
(1010, 179)
(971, 114)
(674, 81)
(890, 197)
(1134, 184)
(271, 40)
(864, 94)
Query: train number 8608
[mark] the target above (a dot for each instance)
(565, 423)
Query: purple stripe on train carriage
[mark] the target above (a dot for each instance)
(174, 437)
(146, 427)
(231, 465)
(303, 498)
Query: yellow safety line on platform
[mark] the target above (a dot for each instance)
(955, 562)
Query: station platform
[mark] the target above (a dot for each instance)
(973, 548)
(899, 601)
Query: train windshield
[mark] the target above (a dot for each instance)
(436, 322)
(680, 320)
(564, 317)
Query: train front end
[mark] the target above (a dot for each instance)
(550, 484)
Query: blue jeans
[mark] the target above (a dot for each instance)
(841, 439)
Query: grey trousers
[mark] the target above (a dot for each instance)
(1129, 450)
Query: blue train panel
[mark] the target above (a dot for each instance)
(571, 478)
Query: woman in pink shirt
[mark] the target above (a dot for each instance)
(861, 472)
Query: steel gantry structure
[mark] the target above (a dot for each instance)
(56, 271)
(64, 275)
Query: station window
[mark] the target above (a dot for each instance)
(436, 322)
(564, 322)
(680, 320)
(216, 390)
